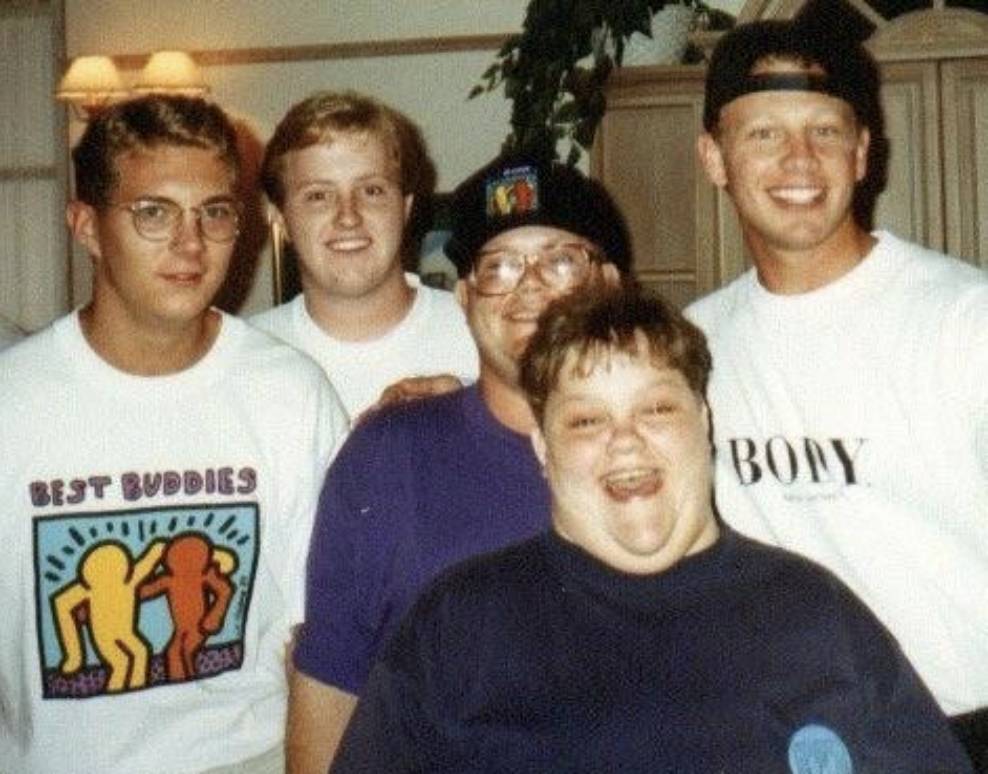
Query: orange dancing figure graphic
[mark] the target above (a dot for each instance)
(524, 197)
(196, 584)
(105, 597)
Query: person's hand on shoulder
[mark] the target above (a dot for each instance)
(413, 388)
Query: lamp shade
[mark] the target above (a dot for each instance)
(90, 81)
(171, 72)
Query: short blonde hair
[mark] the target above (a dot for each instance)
(324, 115)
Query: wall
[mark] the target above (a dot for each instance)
(33, 274)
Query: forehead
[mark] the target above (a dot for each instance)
(174, 166)
(532, 238)
(342, 151)
(614, 361)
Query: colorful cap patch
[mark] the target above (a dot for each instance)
(816, 749)
(514, 192)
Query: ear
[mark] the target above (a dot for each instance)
(610, 274)
(83, 226)
(711, 159)
(861, 154)
(409, 201)
(538, 445)
(707, 425)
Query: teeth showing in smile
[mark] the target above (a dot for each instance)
(633, 483)
(796, 195)
(348, 245)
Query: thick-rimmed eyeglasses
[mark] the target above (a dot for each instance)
(160, 220)
(558, 267)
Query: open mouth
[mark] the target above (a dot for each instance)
(627, 484)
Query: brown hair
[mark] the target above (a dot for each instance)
(591, 324)
(326, 114)
(144, 123)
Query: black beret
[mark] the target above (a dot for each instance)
(514, 191)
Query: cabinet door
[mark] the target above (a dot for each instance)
(911, 205)
(965, 151)
(684, 233)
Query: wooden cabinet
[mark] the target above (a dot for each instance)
(936, 116)
(685, 235)
(964, 119)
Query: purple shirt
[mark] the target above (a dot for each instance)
(415, 489)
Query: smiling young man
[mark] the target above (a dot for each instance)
(848, 389)
(423, 485)
(343, 172)
(161, 464)
(637, 636)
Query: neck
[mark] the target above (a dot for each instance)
(362, 318)
(506, 401)
(791, 272)
(149, 351)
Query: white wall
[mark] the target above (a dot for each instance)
(250, 23)
(431, 88)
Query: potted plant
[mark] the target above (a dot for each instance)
(555, 70)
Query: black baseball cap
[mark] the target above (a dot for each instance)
(841, 67)
(517, 190)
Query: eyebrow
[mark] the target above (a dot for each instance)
(359, 178)
(527, 250)
(167, 199)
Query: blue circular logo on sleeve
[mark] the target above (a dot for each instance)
(816, 749)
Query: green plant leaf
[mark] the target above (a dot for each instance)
(555, 95)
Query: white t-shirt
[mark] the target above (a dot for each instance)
(851, 425)
(137, 509)
(433, 338)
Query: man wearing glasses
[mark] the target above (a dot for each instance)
(423, 485)
(161, 463)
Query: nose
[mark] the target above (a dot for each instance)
(530, 278)
(347, 210)
(188, 231)
(800, 150)
(624, 436)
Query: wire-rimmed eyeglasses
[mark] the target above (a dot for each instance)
(559, 267)
(160, 219)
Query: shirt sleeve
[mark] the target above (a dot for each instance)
(397, 725)
(900, 726)
(359, 522)
(326, 424)
(386, 732)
